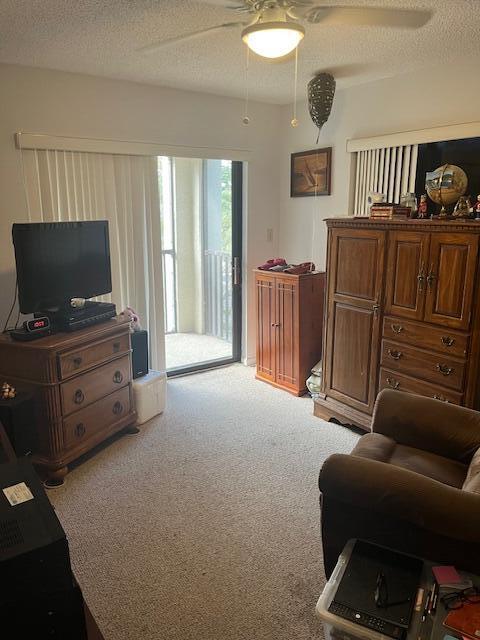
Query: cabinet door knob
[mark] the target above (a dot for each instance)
(78, 396)
(447, 341)
(118, 377)
(375, 309)
(421, 277)
(77, 362)
(117, 408)
(431, 277)
(396, 328)
(396, 355)
(80, 430)
(394, 384)
(444, 369)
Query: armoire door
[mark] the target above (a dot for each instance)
(355, 274)
(266, 330)
(450, 279)
(287, 327)
(406, 274)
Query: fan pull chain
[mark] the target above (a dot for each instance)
(246, 119)
(294, 121)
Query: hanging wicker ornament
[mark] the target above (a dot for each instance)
(321, 90)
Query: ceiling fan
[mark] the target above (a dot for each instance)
(275, 28)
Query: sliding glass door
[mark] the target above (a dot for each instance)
(201, 212)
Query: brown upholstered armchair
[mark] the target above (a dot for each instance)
(412, 484)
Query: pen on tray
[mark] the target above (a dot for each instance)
(427, 603)
(435, 598)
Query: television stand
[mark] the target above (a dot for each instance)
(74, 318)
(81, 387)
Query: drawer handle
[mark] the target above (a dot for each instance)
(118, 377)
(396, 355)
(396, 328)
(80, 430)
(117, 408)
(447, 341)
(77, 362)
(444, 370)
(78, 397)
(442, 398)
(394, 384)
(116, 347)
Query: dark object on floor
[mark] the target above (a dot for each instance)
(378, 589)
(412, 485)
(17, 416)
(38, 594)
(139, 353)
(347, 425)
(7, 453)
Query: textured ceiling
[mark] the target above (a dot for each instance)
(101, 37)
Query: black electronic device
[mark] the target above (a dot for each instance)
(58, 261)
(139, 341)
(75, 318)
(38, 595)
(34, 556)
(370, 569)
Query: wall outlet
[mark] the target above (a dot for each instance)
(269, 235)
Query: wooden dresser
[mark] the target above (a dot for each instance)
(82, 388)
(289, 327)
(402, 312)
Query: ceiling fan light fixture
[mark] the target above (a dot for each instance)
(273, 39)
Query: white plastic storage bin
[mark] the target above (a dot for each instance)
(335, 627)
(149, 393)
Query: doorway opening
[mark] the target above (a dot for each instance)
(201, 217)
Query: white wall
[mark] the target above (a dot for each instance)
(412, 101)
(57, 103)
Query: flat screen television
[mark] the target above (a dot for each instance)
(58, 261)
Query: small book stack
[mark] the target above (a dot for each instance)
(389, 211)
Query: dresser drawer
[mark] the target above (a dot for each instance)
(72, 362)
(425, 336)
(432, 367)
(394, 380)
(90, 387)
(88, 423)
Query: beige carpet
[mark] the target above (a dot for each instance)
(205, 526)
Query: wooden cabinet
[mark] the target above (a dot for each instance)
(401, 313)
(81, 383)
(289, 311)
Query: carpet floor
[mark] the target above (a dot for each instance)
(205, 526)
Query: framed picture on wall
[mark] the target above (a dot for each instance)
(310, 173)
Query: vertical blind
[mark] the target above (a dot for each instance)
(390, 170)
(73, 185)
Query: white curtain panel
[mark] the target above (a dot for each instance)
(71, 185)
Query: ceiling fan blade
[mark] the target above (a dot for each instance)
(156, 46)
(369, 16)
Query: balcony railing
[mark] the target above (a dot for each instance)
(218, 294)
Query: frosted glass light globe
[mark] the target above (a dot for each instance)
(273, 39)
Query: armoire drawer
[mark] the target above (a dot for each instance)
(432, 367)
(425, 336)
(90, 387)
(394, 380)
(72, 362)
(91, 421)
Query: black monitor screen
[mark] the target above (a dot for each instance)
(57, 261)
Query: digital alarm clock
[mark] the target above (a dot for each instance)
(32, 329)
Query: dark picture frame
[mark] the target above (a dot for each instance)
(311, 173)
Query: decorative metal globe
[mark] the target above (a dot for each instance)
(446, 184)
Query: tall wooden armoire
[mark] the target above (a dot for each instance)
(402, 312)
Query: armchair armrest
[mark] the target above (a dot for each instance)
(424, 423)
(396, 492)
